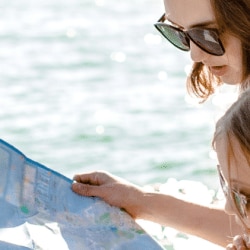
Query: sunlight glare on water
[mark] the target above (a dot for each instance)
(89, 85)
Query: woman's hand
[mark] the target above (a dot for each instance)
(114, 190)
(240, 242)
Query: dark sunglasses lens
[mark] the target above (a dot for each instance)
(208, 40)
(175, 36)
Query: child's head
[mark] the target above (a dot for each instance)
(232, 144)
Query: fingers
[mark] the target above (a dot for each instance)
(87, 190)
(98, 184)
(239, 243)
(86, 178)
(246, 240)
(112, 189)
(94, 178)
(231, 247)
(105, 192)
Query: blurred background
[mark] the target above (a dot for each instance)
(90, 84)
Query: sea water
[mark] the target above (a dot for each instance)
(90, 84)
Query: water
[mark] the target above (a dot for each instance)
(89, 85)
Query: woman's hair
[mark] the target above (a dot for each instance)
(235, 124)
(232, 16)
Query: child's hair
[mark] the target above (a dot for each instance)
(235, 123)
(232, 16)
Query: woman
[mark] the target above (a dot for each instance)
(217, 34)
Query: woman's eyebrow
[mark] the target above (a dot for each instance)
(177, 25)
(202, 24)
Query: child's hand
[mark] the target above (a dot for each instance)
(112, 189)
(240, 242)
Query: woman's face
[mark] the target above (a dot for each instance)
(195, 13)
(236, 176)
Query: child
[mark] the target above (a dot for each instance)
(232, 144)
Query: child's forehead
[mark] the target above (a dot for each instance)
(233, 160)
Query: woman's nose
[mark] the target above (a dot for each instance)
(197, 54)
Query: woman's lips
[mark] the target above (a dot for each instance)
(218, 70)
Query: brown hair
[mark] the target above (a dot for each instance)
(234, 17)
(236, 124)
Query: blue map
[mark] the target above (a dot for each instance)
(40, 211)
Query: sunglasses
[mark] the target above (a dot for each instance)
(206, 39)
(240, 200)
